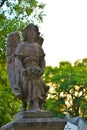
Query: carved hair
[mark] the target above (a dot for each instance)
(39, 40)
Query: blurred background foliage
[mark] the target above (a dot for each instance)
(14, 15)
(68, 88)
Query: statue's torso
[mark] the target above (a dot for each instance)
(30, 54)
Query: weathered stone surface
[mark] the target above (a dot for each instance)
(29, 114)
(35, 121)
(26, 65)
(36, 124)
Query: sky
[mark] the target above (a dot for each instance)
(65, 31)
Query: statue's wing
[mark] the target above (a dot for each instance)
(12, 43)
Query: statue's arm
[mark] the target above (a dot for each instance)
(19, 66)
(42, 62)
(18, 63)
(18, 70)
(42, 65)
(19, 57)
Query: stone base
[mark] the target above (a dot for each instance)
(27, 122)
(33, 114)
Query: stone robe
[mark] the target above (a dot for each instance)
(29, 85)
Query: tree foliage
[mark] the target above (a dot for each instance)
(14, 15)
(69, 88)
(9, 104)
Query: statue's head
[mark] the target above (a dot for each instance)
(28, 27)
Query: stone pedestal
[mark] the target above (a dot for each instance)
(35, 121)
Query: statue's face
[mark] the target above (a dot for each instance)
(32, 32)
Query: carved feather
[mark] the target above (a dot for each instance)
(12, 43)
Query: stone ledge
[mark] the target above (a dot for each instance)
(29, 114)
(35, 122)
(25, 121)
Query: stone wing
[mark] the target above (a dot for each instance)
(12, 43)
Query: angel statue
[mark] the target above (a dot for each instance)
(25, 67)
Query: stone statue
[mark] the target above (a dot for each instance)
(25, 66)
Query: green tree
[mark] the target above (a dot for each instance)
(9, 104)
(69, 87)
(14, 15)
